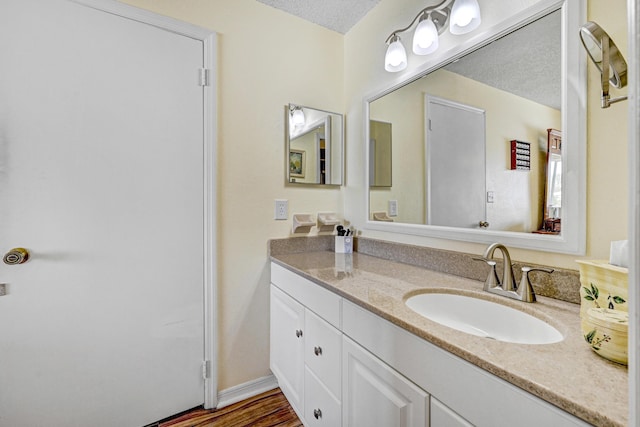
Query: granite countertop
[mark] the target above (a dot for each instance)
(567, 374)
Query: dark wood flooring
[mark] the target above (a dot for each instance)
(268, 409)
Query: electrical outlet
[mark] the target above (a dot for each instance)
(281, 209)
(393, 208)
(491, 198)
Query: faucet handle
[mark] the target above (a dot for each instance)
(525, 289)
(492, 279)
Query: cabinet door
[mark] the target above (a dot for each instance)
(373, 394)
(441, 416)
(287, 346)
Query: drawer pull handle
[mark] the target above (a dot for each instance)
(298, 333)
(317, 413)
(317, 351)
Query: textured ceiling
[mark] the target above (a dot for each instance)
(526, 63)
(336, 15)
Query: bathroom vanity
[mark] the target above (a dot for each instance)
(347, 351)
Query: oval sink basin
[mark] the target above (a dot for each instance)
(483, 318)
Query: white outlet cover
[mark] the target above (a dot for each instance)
(281, 209)
(393, 208)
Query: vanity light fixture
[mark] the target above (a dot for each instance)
(297, 115)
(462, 16)
(607, 58)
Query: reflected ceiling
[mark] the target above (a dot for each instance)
(525, 53)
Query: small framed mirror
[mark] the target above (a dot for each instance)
(314, 146)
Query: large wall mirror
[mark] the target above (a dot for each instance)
(313, 146)
(472, 136)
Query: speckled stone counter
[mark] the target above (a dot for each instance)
(567, 374)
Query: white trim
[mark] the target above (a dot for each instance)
(634, 210)
(146, 17)
(210, 114)
(210, 217)
(245, 391)
(573, 237)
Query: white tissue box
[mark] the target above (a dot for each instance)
(619, 254)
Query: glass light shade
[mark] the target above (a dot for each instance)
(465, 16)
(425, 38)
(396, 57)
(297, 117)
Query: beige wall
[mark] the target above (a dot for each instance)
(267, 59)
(607, 129)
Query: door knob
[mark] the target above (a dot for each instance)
(16, 256)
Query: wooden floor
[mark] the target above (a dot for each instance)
(268, 409)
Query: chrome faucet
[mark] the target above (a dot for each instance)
(508, 282)
(507, 287)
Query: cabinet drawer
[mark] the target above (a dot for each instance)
(322, 352)
(321, 408)
(324, 303)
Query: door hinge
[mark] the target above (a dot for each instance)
(203, 77)
(205, 369)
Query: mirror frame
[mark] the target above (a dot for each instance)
(572, 239)
(287, 147)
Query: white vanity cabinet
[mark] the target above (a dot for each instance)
(306, 347)
(340, 365)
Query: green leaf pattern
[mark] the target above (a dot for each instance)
(596, 343)
(592, 293)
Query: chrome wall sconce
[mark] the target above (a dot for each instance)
(607, 58)
(297, 115)
(461, 16)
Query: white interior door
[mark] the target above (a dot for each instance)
(455, 160)
(101, 179)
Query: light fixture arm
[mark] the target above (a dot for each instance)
(443, 10)
(607, 58)
(606, 100)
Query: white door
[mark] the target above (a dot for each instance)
(101, 179)
(455, 164)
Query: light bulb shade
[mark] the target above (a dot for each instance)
(297, 117)
(425, 38)
(396, 57)
(465, 16)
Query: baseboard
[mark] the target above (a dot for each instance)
(244, 391)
